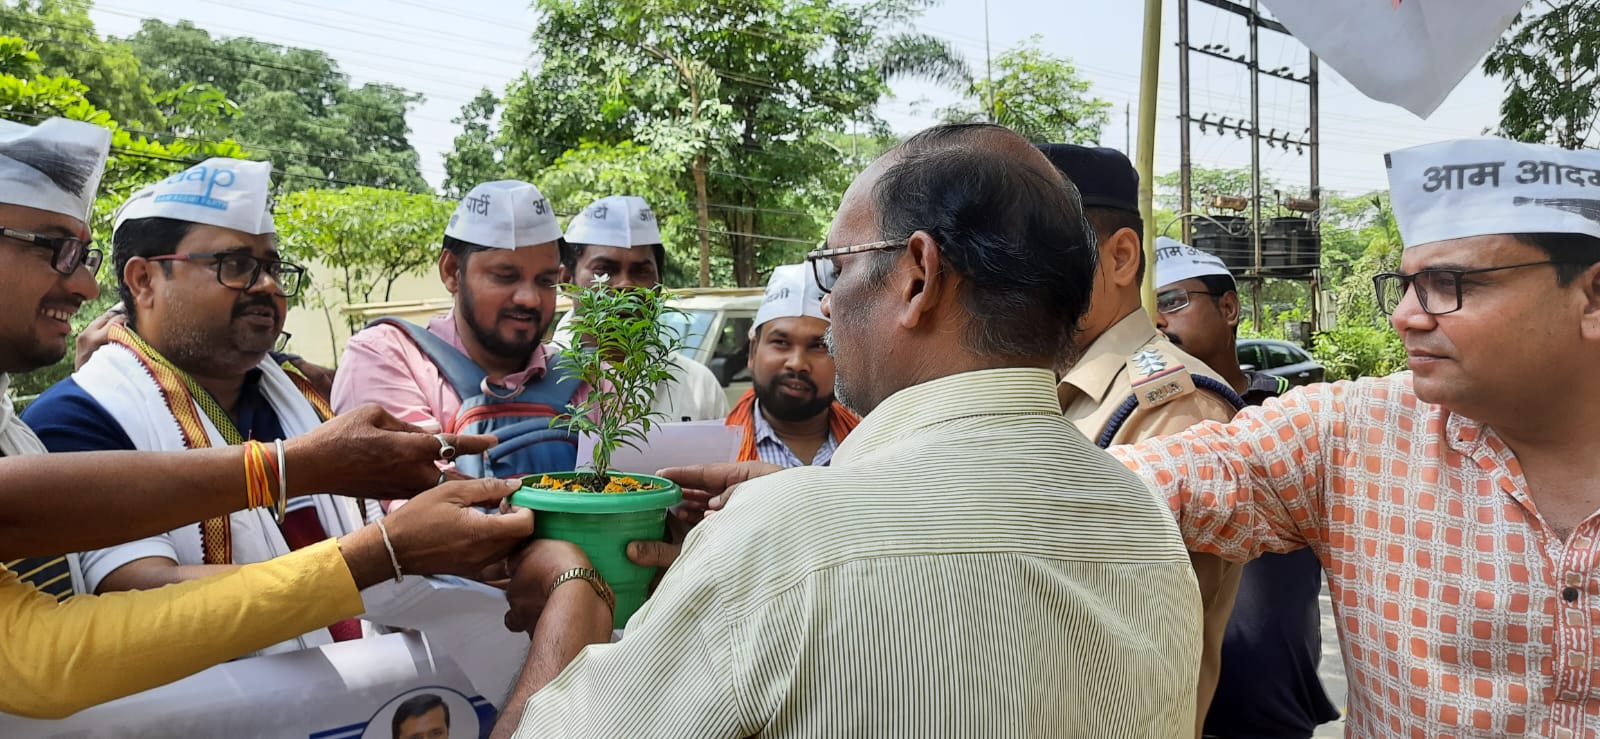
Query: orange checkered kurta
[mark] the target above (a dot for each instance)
(1460, 612)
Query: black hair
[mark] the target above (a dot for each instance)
(1218, 285)
(1015, 233)
(417, 705)
(1574, 254)
(571, 253)
(143, 237)
(1107, 221)
(461, 250)
(68, 166)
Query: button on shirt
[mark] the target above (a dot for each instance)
(1447, 586)
(771, 449)
(968, 566)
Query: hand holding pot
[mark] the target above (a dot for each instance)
(440, 532)
(718, 480)
(533, 571)
(367, 453)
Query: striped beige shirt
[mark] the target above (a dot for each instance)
(969, 566)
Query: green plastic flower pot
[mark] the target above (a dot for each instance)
(602, 524)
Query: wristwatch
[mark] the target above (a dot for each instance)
(592, 576)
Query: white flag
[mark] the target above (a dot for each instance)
(1408, 52)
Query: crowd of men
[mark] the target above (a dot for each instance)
(922, 533)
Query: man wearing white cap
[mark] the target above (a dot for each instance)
(62, 657)
(1453, 506)
(618, 236)
(501, 262)
(1268, 685)
(789, 414)
(206, 292)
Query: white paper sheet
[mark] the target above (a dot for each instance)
(672, 445)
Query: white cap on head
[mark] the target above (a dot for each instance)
(504, 214)
(1177, 261)
(55, 166)
(227, 193)
(791, 292)
(1479, 187)
(617, 220)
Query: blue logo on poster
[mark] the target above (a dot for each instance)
(212, 178)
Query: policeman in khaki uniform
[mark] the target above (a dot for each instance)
(1132, 383)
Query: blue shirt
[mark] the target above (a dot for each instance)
(771, 449)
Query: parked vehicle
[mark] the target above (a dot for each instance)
(1281, 358)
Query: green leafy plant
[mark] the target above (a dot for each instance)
(620, 350)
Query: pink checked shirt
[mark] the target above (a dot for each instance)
(1461, 613)
(382, 365)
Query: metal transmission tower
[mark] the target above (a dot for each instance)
(1288, 245)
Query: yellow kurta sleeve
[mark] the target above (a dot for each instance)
(59, 658)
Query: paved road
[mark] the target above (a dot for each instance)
(1332, 668)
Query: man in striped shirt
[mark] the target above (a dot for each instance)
(969, 565)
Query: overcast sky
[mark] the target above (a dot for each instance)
(449, 54)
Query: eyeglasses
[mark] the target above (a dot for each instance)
(1438, 290)
(69, 252)
(240, 270)
(826, 273)
(1176, 299)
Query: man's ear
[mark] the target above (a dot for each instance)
(1589, 281)
(138, 275)
(1228, 305)
(923, 283)
(449, 270)
(1121, 254)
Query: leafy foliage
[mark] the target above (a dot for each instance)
(367, 237)
(294, 106)
(1550, 60)
(1037, 94)
(740, 96)
(475, 158)
(626, 356)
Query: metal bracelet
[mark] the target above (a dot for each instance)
(283, 482)
(393, 560)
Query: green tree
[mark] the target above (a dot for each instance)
(1204, 183)
(294, 106)
(475, 157)
(368, 237)
(64, 38)
(740, 95)
(1550, 61)
(1037, 94)
(1362, 342)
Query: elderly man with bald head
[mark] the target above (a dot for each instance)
(968, 565)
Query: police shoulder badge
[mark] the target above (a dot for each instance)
(1157, 378)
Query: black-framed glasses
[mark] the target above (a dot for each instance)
(68, 253)
(1176, 299)
(826, 273)
(241, 270)
(1438, 290)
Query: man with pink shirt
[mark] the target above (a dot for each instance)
(501, 262)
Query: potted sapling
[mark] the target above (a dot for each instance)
(622, 351)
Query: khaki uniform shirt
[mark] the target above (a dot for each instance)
(968, 566)
(1097, 385)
